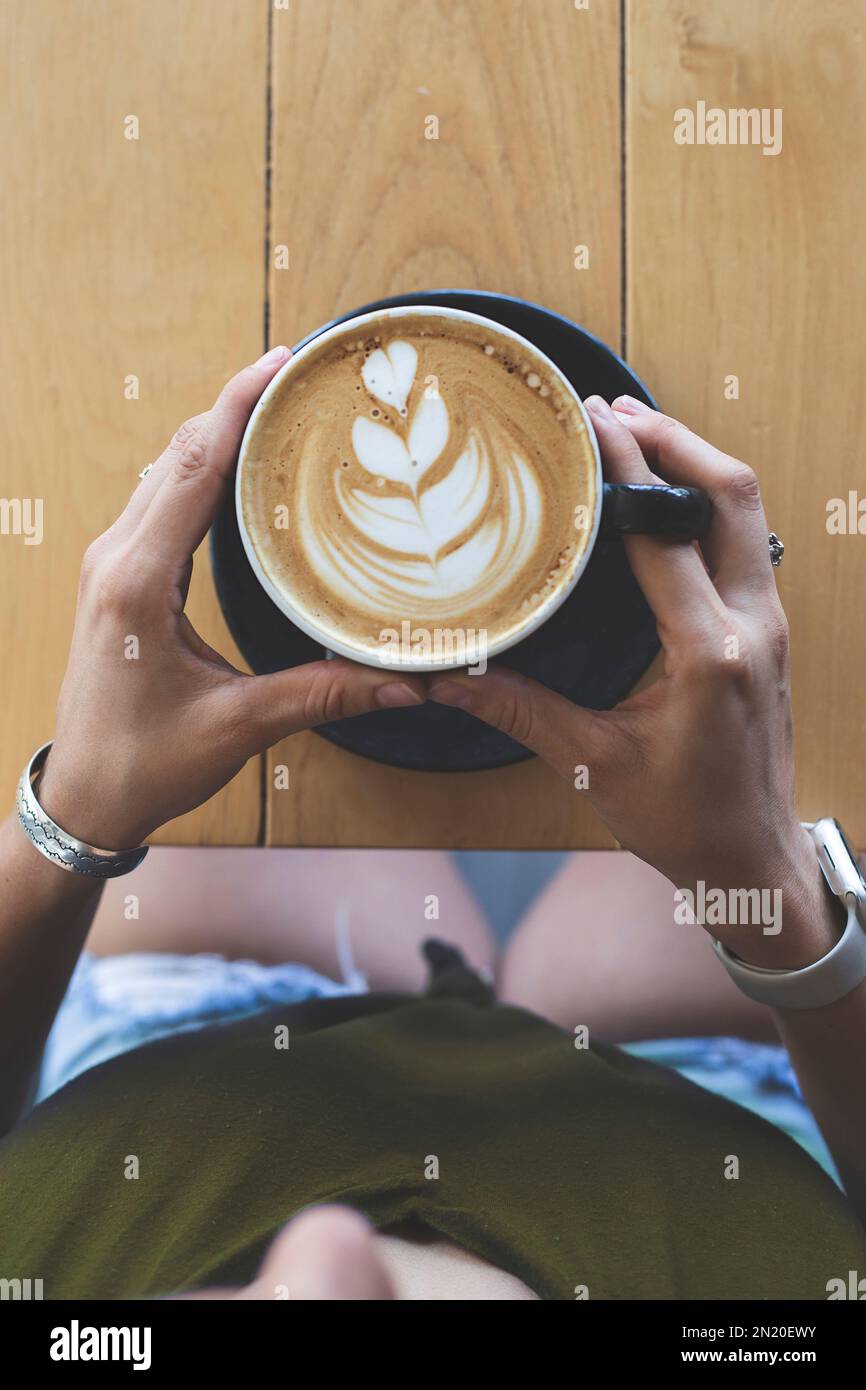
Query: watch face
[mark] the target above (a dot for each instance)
(840, 867)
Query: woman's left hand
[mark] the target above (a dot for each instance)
(695, 773)
(151, 720)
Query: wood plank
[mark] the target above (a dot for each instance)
(120, 257)
(746, 264)
(526, 167)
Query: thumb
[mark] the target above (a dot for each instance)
(318, 693)
(561, 733)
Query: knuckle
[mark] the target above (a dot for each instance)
(742, 486)
(109, 594)
(93, 557)
(325, 699)
(670, 436)
(668, 426)
(189, 446)
(779, 638)
(517, 719)
(720, 654)
(116, 586)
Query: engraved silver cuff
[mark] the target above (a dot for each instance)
(62, 849)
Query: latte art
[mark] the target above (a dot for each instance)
(426, 524)
(427, 473)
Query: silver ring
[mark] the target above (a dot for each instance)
(777, 550)
(144, 472)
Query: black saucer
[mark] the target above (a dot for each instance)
(593, 649)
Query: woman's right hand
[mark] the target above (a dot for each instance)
(151, 720)
(695, 773)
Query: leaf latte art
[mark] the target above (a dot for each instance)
(429, 523)
(427, 473)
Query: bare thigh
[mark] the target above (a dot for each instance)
(600, 947)
(275, 905)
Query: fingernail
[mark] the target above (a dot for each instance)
(450, 693)
(630, 406)
(397, 694)
(598, 407)
(276, 354)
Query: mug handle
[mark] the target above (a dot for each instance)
(649, 509)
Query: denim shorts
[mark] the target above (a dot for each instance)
(116, 1003)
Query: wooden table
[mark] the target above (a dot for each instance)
(137, 274)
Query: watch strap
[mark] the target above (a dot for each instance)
(836, 974)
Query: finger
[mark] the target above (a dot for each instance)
(563, 734)
(154, 475)
(327, 1253)
(674, 581)
(269, 708)
(172, 509)
(736, 547)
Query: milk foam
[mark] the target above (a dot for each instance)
(428, 476)
(422, 540)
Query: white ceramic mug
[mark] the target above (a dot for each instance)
(305, 621)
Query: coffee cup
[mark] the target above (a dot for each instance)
(421, 488)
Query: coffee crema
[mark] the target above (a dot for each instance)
(420, 473)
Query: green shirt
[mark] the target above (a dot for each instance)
(173, 1166)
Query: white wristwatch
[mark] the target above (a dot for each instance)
(844, 967)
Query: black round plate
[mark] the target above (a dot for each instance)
(592, 650)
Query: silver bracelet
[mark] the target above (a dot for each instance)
(62, 849)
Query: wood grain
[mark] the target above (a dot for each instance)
(119, 257)
(145, 257)
(525, 168)
(751, 265)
